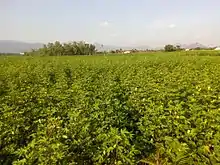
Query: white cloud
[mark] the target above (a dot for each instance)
(172, 26)
(105, 23)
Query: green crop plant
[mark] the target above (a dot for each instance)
(137, 109)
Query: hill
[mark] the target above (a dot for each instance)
(10, 46)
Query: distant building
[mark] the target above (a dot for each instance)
(21, 53)
(186, 49)
(218, 48)
(127, 52)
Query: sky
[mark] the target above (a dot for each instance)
(111, 22)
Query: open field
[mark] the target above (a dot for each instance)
(158, 108)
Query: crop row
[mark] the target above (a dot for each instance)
(157, 110)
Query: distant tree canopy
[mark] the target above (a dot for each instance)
(66, 49)
(172, 48)
(169, 48)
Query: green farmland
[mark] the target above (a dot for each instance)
(156, 108)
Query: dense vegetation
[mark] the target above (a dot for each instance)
(65, 49)
(9, 54)
(143, 109)
(172, 48)
(201, 53)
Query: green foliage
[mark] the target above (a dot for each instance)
(66, 49)
(201, 53)
(140, 109)
(170, 48)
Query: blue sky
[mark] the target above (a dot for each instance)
(112, 22)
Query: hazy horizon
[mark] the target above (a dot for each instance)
(124, 23)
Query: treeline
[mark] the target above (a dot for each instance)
(66, 49)
(132, 51)
(9, 54)
(173, 48)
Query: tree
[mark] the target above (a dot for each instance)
(197, 48)
(58, 48)
(92, 49)
(178, 47)
(70, 49)
(112, 51)
(169, 48)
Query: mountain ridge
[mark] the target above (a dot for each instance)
(13, 46)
